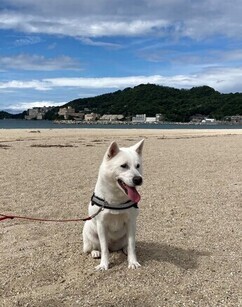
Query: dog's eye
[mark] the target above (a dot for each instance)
(125, 165)
(138, 165)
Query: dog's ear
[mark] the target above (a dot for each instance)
(113, 150)
(138, 147)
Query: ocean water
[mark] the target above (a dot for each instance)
(45, 124)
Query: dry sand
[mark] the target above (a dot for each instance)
(189, 227)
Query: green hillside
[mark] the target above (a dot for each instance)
(174, 104)
(5, 115)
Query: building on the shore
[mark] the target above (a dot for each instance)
(37, 113)
(234, 119)
(70, 113)
(159, 117)
(111, 117)
(197, 118)
(150, 120)
(208, 121)
(142, 118)
(139, 118)
(91, 117)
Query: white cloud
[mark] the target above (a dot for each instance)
(36, 62)
(33, 84)
(221, 78)
(79, 27)
(28, 105)
(27, 40)
(90, 42)
(98, 83)
(93, 18)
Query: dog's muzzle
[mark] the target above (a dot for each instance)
(137, 180)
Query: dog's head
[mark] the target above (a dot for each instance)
(125, 168)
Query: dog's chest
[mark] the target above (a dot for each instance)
(115, 222)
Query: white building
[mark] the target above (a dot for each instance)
(208, 120)
(111, 117)
(37, 113)
(67, 112)
(91, 117)
(150, 119)
(139, 118)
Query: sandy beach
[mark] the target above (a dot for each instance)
(188, 232)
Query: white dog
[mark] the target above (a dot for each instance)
(115, 192)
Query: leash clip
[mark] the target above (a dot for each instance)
(105, 204)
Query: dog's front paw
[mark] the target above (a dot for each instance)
(134, 265)
(102, 267)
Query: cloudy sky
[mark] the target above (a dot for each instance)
(53, 51)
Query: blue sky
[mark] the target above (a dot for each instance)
(55, 51)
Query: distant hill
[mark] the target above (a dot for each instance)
(7, 115)
(174, 104)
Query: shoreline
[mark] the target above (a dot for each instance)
(21, 134)
(45, 124)
(128, 123)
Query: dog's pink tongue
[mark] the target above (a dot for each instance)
(133, 194)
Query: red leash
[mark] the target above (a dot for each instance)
(8, 216)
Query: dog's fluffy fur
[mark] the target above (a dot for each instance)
(113, 230)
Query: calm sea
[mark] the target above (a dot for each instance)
(44, 124)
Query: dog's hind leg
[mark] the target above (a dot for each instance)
(88, 247)
(96, 254)
(90, 243)
(87, 243)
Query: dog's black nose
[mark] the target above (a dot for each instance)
(137, 180)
